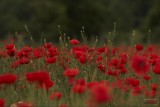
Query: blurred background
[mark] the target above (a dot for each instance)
(42, 18)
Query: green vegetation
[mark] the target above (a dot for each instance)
(42, 17)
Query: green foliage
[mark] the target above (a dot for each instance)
(43, 17)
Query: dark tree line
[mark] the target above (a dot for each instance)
(43, 17)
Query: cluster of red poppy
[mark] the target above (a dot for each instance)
(133, 70)
(42, 78)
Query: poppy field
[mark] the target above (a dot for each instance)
(77, 74)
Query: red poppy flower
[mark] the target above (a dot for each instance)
(140, 65)
(72, 72)
(82, 48)
(51, 60)
(112, 73)
(156, 69)
(114, 62)
(114, 50)
(46, 84)
(74, 41)
(153, 56)
(26, 49)
(150, 94)
(23, 54)
(79, 87)
(2, 102)
(37, 76)
(123, 58)
(100, 94)
(150, 48)
(47, 45)
(52, 51)
(11, 52)
(8, 78)
(139, 47)
(15, 64)
(92, 84)
(83, 58)
(42, 78)
(37, 54)
(99, 59)
(146, 77)
(138, 90)
(122, 70)
(80, 81)
(101, 49)
(77, 53)
(55, 95)
(9, 46)
(132, 81)
(24, 61)
(154, 86)
(102, 67)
